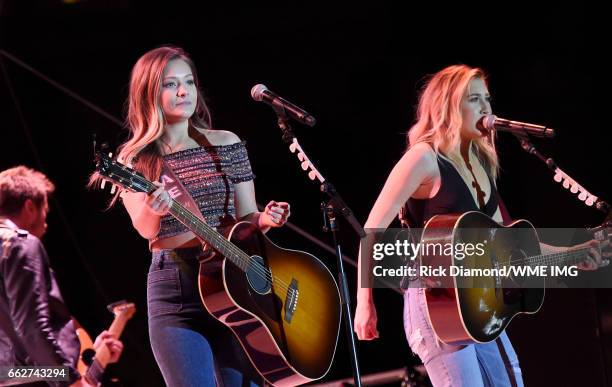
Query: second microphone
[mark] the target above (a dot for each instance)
(261, 93)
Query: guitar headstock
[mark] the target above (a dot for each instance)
(122, 307)
(603, 234)
(113, 171)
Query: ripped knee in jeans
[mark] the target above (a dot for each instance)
(429, 347)
(417, 344)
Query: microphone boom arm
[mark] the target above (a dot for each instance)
(566, 181)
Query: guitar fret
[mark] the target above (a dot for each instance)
(210, 235)
(325, 320)
(129, 179)
(565, 257)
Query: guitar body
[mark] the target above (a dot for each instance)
(92, 363)
(282, 305)
(87, 351)
(477, 309)
(288, 327)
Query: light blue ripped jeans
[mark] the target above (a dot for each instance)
(489, 364)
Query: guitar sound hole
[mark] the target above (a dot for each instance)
(258, 275)
(87, 356)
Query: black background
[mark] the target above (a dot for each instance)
(357, 69)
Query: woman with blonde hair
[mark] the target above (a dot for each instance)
(450, 167)
(170, 127)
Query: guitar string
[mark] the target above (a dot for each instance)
(146, 186)
(552, 258)
(238, 254)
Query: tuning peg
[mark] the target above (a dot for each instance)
(113, 188)
(558, 176)
(305, 165)
(301, 156)
(312, 175)
(293, 147)
(103, 184)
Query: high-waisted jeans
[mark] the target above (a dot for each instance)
(191, 347)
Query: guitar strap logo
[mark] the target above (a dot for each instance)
(178, 192)
(170, 185)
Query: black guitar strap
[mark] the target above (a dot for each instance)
(502, 209)
(507, 364)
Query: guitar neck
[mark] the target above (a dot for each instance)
(131, 180)
(564, 258)
(209, 234)
(116, 329)
(103, 355)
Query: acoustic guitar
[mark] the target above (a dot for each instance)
(283, 305)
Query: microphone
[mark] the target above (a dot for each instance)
(491, 122)
(262, 94)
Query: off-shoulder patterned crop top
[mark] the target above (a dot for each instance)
(209, 174)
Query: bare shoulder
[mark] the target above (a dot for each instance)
(221, 137)
(421, 156)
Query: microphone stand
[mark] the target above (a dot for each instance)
(334, 205)
(584, 196)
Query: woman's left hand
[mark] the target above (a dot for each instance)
(596, 258)
(114, 346)
(274, 215)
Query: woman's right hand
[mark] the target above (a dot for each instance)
(366, 320)
(158, 201)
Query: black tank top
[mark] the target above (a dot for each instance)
(453, 197)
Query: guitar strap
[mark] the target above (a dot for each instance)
(177, 190)
(500, 345)
(179, 194)
(507, 363)
(502, 209)
(173, 184)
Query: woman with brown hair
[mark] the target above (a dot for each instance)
(170, 127)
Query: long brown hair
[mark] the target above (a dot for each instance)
(439, 118)
(145, 118)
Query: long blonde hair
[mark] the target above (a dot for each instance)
(145, 118)
(439, 119)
